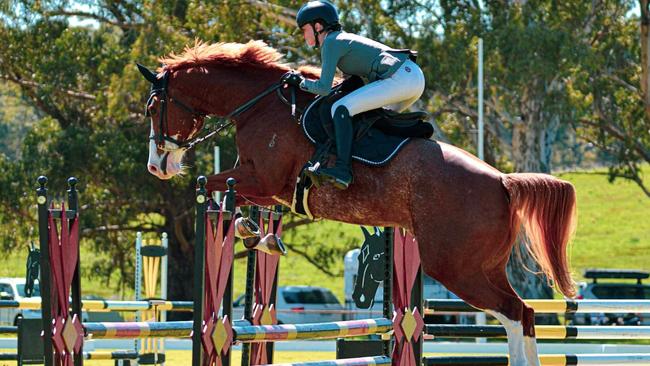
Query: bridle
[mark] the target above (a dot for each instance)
(159, 89)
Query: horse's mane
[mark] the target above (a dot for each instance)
(254, 53)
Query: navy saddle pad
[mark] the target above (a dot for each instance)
(379, 134)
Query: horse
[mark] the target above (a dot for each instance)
(465, 214)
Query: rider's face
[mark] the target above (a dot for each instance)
(308, 33)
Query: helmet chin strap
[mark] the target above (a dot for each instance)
(316, 35)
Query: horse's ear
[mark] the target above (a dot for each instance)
(377, 231)
(366, 234)
(148, 74)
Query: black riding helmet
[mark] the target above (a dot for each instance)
(320, 11)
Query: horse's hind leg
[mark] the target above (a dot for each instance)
(490, 291)
(530, 342)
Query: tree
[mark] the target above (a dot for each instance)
(612, 92)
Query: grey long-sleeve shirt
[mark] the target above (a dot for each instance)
(353, 55)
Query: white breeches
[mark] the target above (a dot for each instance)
(396, 93)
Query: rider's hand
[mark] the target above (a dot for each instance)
(292, 78)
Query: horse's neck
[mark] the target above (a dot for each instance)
(269, 114)
(270, 124)
(267, 136)
(270, 139)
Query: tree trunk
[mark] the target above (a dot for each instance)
(180, 212)
(531, 146)
(181, 265)
(645, 61)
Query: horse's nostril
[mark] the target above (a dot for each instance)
(152, 168)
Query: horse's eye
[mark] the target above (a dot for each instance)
(376, 256)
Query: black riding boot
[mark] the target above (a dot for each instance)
(340, 174)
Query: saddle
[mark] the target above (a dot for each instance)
(378, 134)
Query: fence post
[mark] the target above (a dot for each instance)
(46, 281)
(199, 267)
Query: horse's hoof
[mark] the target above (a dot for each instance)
(271, 244)
(251, 242)
(246, 228)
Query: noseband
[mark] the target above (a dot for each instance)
(159, 89)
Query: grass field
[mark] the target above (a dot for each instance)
(613, 232)
(614, 224)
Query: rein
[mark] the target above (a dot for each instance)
(222, 123)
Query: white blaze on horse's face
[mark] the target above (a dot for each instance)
(164, 164)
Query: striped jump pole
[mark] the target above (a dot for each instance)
(542, 331)
(552, 306)
(8, 357)
(247, 333)
(8, 329)
(285, 332)
(98, 355)
(114, 355)
(546, 360)
(108, 330)
(107, 305)
(359, 361)
(433, 306)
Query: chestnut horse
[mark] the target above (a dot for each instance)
(464, 213)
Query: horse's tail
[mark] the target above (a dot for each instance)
(547, 207)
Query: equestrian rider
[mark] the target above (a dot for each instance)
(395, 81)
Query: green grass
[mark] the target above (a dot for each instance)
(13, 265)
(613, 224)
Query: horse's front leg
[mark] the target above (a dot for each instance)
(251, 190)
(247, 182)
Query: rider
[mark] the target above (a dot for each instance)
(395, 80)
